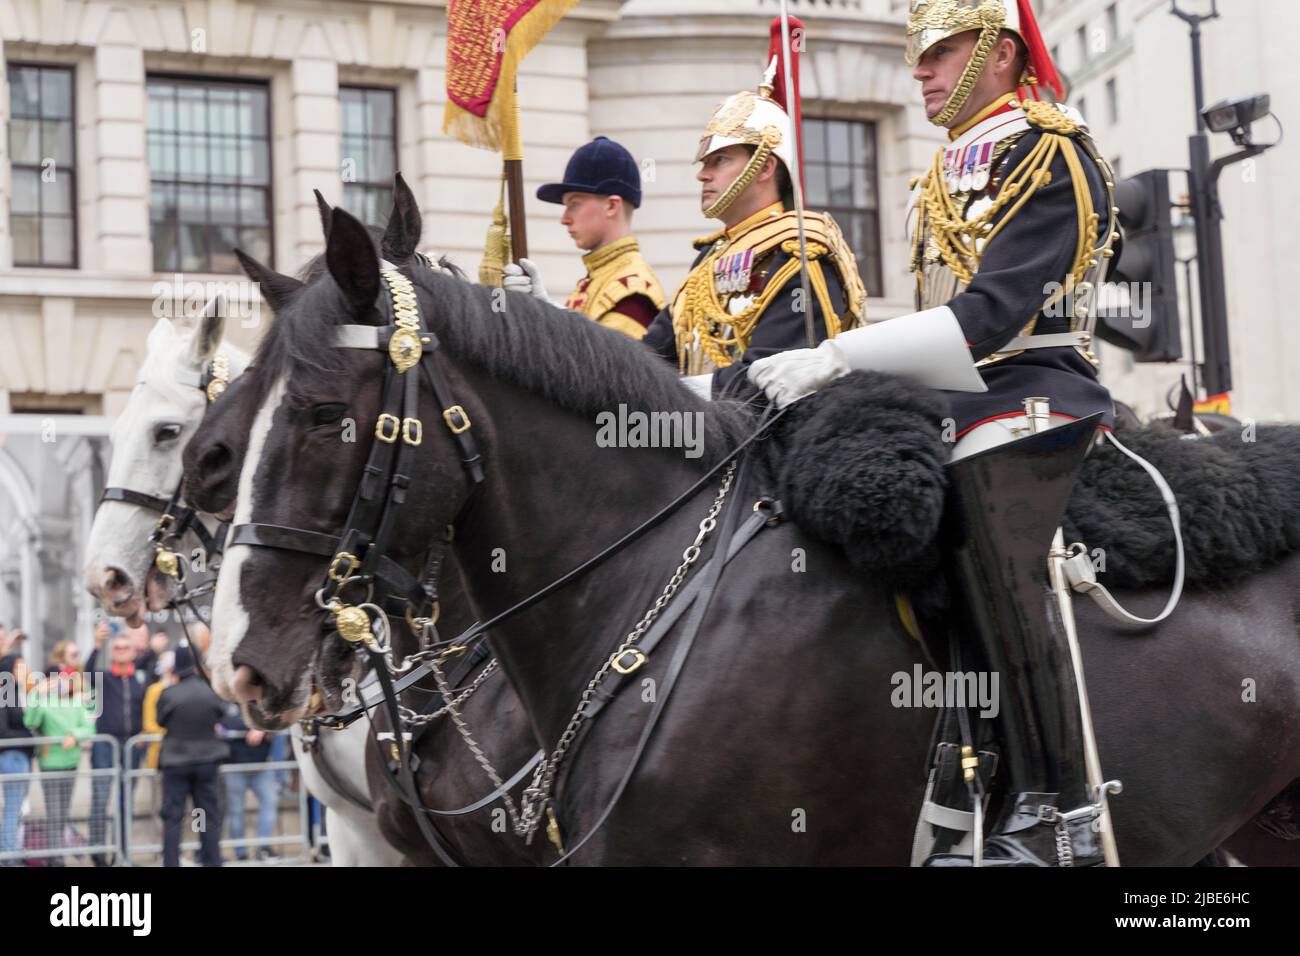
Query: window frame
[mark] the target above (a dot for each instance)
(397, 164)
(71, 70)
(871, 271)
(206, 80)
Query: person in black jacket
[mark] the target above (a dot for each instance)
(191, 754)
(14, 759)
(120, 704)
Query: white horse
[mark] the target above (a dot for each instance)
(158, 420)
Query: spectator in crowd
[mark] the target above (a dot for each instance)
(191, 753)
(58, 709)
(11, 642)
(14, 758)
(120, 708)
(149, 717)
(249, 746)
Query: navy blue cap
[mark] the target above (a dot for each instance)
(602, 167)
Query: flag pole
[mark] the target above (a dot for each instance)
(513, 156)
(797, 178)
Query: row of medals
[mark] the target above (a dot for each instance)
(968, 169)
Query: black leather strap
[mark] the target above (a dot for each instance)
(708, 578)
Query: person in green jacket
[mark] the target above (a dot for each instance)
(58, 709)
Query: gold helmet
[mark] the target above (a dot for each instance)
(929, 21)
(761, 118)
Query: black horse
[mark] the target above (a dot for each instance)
(448, 776)
(781, 744)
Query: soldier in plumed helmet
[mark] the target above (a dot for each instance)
(743, 298)
(1012, 229)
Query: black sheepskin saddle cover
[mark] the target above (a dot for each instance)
(860, 464)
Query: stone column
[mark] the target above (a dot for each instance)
(122, 244)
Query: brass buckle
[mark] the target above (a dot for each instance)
(166, 523)
(341, 558)
(447, 417)
(412, 431)
(389, 419)
(638, 658)
(452, 651)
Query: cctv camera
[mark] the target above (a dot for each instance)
(1235, 116)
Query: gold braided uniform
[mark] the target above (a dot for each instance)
(615, 273)
(713, 328)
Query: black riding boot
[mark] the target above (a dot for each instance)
(1007, 504)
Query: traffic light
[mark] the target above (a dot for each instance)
(1149, 324)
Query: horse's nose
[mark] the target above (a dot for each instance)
(247, 684)
(114, 585)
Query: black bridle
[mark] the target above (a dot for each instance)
(357, 554)
(175, 518)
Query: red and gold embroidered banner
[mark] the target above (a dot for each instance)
(486, 41)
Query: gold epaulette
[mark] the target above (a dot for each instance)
(1048, 118)
(614, 273)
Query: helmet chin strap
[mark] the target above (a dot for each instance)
(771, 138)
(993, 23)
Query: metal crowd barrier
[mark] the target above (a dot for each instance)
(75, 802)
(153, 848)
(35, 841)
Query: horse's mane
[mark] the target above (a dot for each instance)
(513, 337)
(566, 358)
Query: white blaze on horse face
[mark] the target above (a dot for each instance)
(160, 404)
(229, 618)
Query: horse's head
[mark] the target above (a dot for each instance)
(300, 440)
(162, 413)
(214, 458)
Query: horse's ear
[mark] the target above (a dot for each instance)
(209, 331)
(162, 330)
(350, 257)
(276, 289)
(404, 223)
(325, 212)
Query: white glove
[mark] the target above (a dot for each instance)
(525, 277)
(929, 347)
(789, 376)
(701, 385)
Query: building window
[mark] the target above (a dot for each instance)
(1112, 23)
(43, 206)
(210, 172)
(841, 173)
(1112, 99)
(1082, 35)
(1116, 167)
(1056, 57)
(1082, 108)
(369, 144)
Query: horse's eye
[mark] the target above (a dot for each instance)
(327, 414)
(165, 433)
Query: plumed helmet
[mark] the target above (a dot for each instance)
(929, 21)
(766, 118)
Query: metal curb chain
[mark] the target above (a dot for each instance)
(537, 796)
(463, 729)
(412, 719)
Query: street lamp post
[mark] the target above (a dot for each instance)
(1209, 233)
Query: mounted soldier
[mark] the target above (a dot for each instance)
(601, 188)
(1012, 229)
(744, 298)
